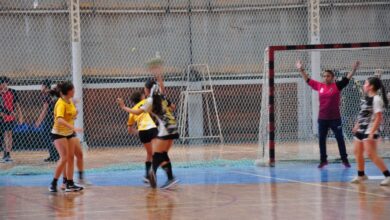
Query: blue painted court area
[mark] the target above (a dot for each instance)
(283, 172)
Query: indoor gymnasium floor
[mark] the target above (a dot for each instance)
(288, 191)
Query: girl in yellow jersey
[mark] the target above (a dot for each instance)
(147, 130)
(64, 135)
(159, 108)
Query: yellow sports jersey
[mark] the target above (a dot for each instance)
(168, 112)
(144, 121)
(66, 111)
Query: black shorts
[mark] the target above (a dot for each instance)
(57, 136)
(148, 135)
(7, 126)
(361, 137)
(169, 137)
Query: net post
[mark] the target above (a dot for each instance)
(315, 57)
(271, 105)
(77, 78)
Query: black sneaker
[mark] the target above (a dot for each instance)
(170, 183)
(152, 178)
(53, 188)
(73, 188)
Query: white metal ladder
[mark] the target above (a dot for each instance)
(201, 86)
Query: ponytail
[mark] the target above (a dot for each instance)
(378, 85)
(55, 92)
(157, 104)
(156, 95)
(62, 88)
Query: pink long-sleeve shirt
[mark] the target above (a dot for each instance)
(329, 96)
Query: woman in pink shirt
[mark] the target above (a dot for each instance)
(329, 116)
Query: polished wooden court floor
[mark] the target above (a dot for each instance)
(267, 195)
(101, 157)
(291, 190)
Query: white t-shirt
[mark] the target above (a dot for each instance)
(370, 106)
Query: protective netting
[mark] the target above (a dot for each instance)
(119, 36)
(296, 133)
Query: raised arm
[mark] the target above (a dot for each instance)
(42, 115)
(302, 71)
(122, 105)
(355, 66)
(160, 79)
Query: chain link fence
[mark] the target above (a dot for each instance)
(119, 36)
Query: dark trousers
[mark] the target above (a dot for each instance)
(335, 126)
(48, 142)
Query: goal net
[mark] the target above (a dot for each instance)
(119, 36)
(289, 108)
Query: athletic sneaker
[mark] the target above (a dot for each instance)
(53, 188)
(73, 188)
(152, 178)
(386, 181)
(359, 179)
(9, 159)
(170, 183)
(346, 164)
(146, 180)
(6, 159)
(322, 164)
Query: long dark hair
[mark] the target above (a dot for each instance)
(377, 84)
(157, 99)
(136, 97)
(62, 88)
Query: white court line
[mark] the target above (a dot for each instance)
(375, 177)
(310, 184)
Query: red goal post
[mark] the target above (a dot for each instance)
(271, 51)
